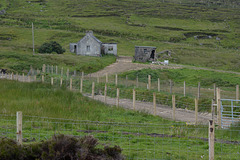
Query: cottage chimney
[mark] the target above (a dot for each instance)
(89, 33)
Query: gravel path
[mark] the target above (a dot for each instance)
(161, 110)
(124, 64)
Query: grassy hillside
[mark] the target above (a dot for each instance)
(140, 135)
(191, 77)
(21, 62)
(168, 24)
(45, 100)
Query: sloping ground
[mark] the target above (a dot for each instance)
(161, 110)
(124, 63)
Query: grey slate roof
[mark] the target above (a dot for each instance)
(95, 38)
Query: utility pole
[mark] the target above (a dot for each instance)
(33, 38)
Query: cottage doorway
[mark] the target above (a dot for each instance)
(75, 48)
(152, 54)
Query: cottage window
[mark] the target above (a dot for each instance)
(88, 48)
(110, 48)
(145, 51)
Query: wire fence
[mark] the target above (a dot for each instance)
(138, 140)
(156, 84)
(164, 89)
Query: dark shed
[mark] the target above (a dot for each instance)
(145, 53)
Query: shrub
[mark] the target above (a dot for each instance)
(51, 47)
(60, 147)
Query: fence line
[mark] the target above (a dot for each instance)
(84, 86)
(166, 85)
(138, 140)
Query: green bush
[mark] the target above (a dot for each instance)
(51, 47)
(59, 147)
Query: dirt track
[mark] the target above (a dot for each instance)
(161, 110)
(124, 64)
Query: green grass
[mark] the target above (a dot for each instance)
(190, 76)
(45, 100)
(130, 23)
(120, 126)
(20, 62)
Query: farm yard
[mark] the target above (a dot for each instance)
(65, 106)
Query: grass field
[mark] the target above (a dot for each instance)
(190, 76)
(130, 23)
(168, 24)
(132, 131)
(20, 62)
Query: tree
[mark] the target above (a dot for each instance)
(51, 47)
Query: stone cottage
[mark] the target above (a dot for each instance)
(91, 46)
(145, 53)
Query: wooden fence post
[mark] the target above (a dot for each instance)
(93, 86)
(159, 87)
(149, 82)
(19, 128)
(11, 77)
(219, 107)
(196, 110)
(106, 78)
(213, 108)
(81, 85)
(174, 107)
(211, 137)
(116, 79)
(184, 88)
(134, 99)
(117, 98)
(23, 77)
(214, 91)
(35, 78)
(52, 69)
(61, 71)
(48, 70)
(199, 87)
(52, 81)
(42, 78)
(237, 92)
(70, 84)
(56, 70)
(105, 94)
(61, 82)
(82, 75)
(154, 104)
(44, 68)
